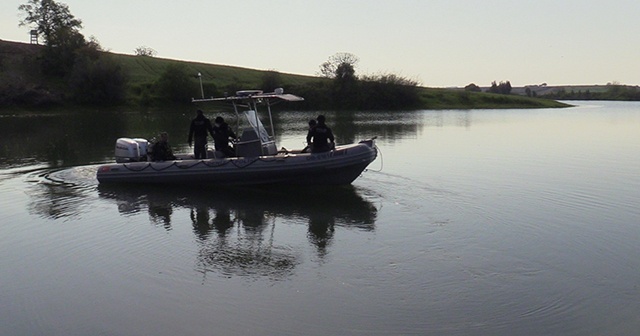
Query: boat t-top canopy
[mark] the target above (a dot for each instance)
(255, 95)
(249, 100)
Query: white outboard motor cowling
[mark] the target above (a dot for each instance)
(128, 150)
(143, 145)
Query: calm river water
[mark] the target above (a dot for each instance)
(476, 222)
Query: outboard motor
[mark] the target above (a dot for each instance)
(143, 145)
(131, 150)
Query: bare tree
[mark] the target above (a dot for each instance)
(339, 61)
(145, 51)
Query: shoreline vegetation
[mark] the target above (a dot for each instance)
(70, 70)
(144, 81)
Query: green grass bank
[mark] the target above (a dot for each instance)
(22, 83)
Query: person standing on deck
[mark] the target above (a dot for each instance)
(200, 126)
(321, 137)
(222, 133)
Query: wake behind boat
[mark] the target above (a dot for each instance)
(257, 160)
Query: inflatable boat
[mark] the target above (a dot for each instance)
(257, 160)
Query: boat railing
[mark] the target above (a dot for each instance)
(247, 101)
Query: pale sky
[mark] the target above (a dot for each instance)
(440, 43)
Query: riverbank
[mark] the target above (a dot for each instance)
(23, 85)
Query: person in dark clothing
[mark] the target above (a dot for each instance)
(161, 149)
(222, 133)
(322, 137)
(200, 126)
(312, 125)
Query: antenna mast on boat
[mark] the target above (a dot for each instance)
(201, 88)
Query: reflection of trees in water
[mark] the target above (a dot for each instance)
(345, 127)
(463, 119)
(352, 126)
(73, 137)
(62, 139)
(388, 126)
(235, 228)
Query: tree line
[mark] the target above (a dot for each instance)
(344, 89)
(339, 87)
(613, 91)
(502, 88)
(90, 76)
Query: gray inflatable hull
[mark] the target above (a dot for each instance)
(337, 167)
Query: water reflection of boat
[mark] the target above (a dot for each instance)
(234, 228)
(258, 160)
(343, 205)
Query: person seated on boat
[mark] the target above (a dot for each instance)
(200, 127)
(321, 137)
(161, 149)
(222, 134)
(312, 124)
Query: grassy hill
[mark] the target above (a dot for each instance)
(23, 84)
(146, 70)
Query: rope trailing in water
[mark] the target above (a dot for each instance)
(381, 161)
